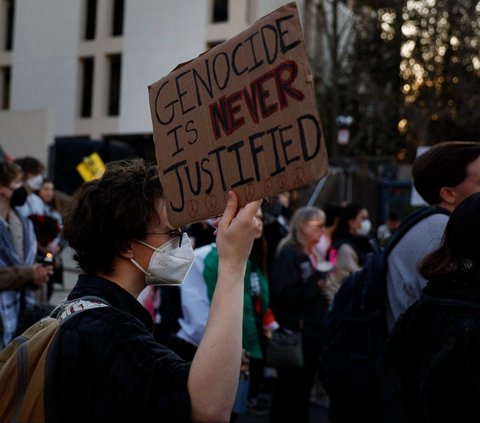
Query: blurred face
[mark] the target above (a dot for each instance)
(47, 192)
(6, 191)
(355, 224)
(471, 184)
(312, 230)
(33, 181)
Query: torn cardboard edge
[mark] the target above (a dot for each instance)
(241, 116)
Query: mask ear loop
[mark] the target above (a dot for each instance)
(182, 231)
(146, 245)
(134, 262)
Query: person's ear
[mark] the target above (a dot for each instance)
(127, 250)
(448, 195)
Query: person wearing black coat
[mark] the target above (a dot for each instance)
(430, 369)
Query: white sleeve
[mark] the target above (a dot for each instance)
(194, 300)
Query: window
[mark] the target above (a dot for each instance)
(86, 87)
(115, 62)
(117, 17)
(90, 19)
(5, 88)
(9, 16)
(220, 10)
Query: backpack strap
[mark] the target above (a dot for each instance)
(62, 312)
(376, 264)
(67, 308)
(409, 222)
(450, 302)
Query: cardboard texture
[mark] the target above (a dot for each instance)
(242, 116)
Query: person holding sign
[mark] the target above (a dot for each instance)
(104, 364)
(241, 116)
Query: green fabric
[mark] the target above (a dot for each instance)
(250, 338)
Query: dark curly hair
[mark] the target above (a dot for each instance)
(106, 213)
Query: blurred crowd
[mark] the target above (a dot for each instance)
(300, 259)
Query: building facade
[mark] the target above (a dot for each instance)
(80, 69)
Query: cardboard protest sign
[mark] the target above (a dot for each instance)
(242, 117)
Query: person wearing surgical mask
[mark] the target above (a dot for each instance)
(17, 250)
(299, 303)
(350, 241)
(33, 170)
(123, 241)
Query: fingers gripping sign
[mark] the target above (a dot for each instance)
(236, 230)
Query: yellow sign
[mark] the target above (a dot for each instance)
(92, 167)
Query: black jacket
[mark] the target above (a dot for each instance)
(430, 371)
(105, 366)
(294, 291)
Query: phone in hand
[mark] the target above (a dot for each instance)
(47, 260)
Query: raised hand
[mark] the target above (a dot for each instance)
(236, 231)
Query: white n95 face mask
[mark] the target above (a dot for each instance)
(170, 262)
(35, 183)
(365, 228)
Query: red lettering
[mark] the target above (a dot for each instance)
(233, 108)
(266, 110)
(218, 115)
(225, 114)
(284, 86)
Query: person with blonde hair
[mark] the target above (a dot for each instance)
(299, 304)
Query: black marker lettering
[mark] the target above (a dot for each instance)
(174, 132)
(285, 47)
(270, 56)
(285, 143)
(258, 63)
(188, 129)
(181, 93)
(303, 136)
(195, 191)
(171, 104)
(255, 151)
(216, 73)
(234, 61)
(216, 153)
(209, 188)
(206, 84)
(236, 147)
(180, 185)
(278, 167)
